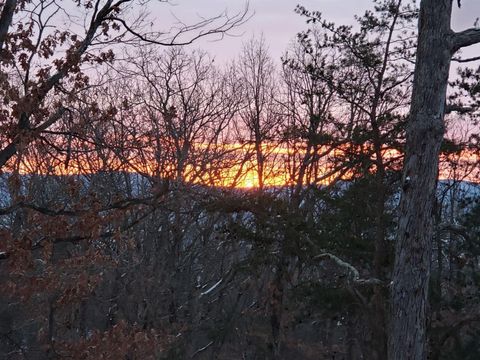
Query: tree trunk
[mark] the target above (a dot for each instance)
(276, 305)
(425, 131)
(6, 20)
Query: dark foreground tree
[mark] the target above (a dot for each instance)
(436, 45)
(40, 60)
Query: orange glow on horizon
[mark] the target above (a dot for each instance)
(241, 172)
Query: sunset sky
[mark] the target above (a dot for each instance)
(276, 20)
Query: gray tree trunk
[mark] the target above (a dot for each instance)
(436, 45)
(425, 131)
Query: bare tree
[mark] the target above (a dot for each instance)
(256, 76)
(38, 62)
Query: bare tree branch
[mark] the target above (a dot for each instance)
(466, 38)
(228, 24)
(458, 108)
(352, 269)
(25, 136)
(476, 58)
(202, 349)
(454, 228)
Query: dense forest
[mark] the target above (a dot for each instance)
(157, 204)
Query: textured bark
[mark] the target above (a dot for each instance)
(425, 131)
(436, 45)
(6, 20)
